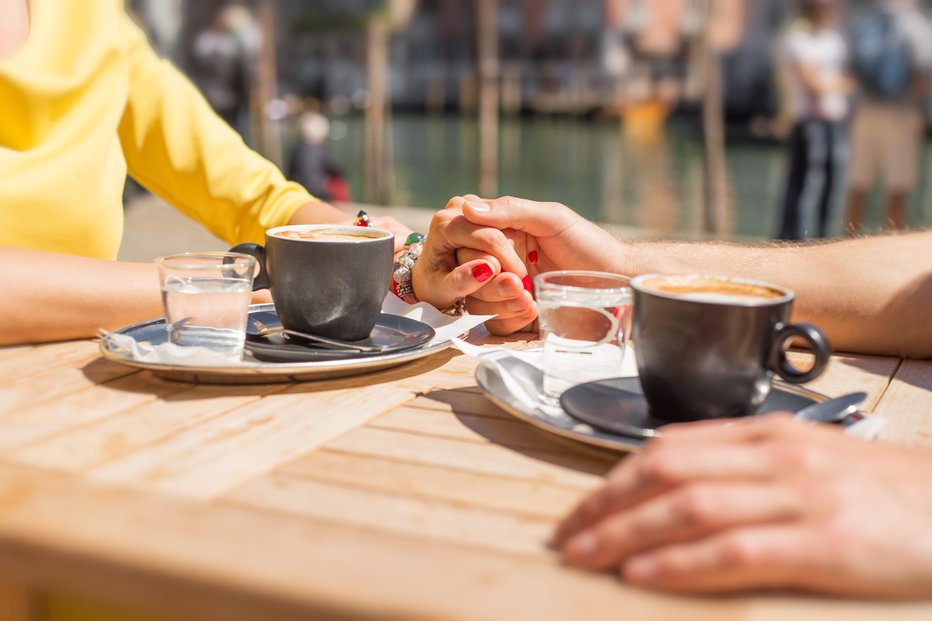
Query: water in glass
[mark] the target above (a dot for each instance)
(584, 333)
(207, 312)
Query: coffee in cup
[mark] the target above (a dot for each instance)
(324, 234)
(708, 347)
(326, 280)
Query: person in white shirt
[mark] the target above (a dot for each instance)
(814, 57)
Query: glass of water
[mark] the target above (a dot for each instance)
(206, 299)
(585, 325)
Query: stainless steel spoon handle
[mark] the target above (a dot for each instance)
(333, 342)
(833, 410)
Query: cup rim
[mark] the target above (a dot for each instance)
(240, 260)
(539, 281)
(358, 230)
(788, 295)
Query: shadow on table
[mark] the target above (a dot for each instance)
(483, 418)
(107, 373)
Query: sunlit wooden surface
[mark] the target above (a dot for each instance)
(401, 495)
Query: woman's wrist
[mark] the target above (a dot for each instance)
(404, 266)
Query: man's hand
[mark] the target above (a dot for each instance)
(766, 503)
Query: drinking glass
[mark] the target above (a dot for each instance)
(585, 320)
(206, 298)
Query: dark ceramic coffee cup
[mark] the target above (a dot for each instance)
(708, 347)
(331, 287)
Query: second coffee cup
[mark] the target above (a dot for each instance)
(708, 347)
(326, 280)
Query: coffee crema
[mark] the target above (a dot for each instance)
(706, 289)
(328, 235)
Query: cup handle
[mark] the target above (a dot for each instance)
(817, 342)
(261, 281)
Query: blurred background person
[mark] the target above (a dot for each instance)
(311, 163)
(224, 57)
(892, 64)
(813, 59)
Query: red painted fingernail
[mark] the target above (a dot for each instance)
(533, 257)
(528, 286)
(482, 272)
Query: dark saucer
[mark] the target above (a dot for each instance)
(618, 406)
(392, 334)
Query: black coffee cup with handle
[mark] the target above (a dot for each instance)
(708, 347)
(326, 280)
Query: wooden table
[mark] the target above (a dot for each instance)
(402, 495)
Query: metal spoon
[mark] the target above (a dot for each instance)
(334, 343)
(833, 410)
(265, 331)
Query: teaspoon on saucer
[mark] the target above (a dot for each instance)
(321, 340)
(832, 411)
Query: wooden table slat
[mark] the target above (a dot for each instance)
(206, 460)
(908, 406)
(116, 437)
(456, 486)
(57, 384)
(120, 396)
(579, 472)
(407, 515)
(509, 432)
(73, 354)
(870, 374)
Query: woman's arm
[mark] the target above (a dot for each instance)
(176, 146)
(56, 297)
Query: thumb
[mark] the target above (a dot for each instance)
(532, 217)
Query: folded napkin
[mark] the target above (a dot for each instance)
(868, 428)
(166, 353)
(445, 326)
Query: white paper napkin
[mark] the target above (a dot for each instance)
(445, 326)
(167, 353)
(868, 428)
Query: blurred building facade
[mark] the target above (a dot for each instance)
(556, 55)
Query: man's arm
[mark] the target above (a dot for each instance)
(869, 295)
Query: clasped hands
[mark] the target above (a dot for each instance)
(489, 251)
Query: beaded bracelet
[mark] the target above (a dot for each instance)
(402, 271)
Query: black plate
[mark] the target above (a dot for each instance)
(392, 334)
(618, 406)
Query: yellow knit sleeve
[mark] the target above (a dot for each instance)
(179, 149)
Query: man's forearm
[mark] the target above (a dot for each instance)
(869, 295)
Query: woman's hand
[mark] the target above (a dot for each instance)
(438, 277)
(547, 237)
(766, 503)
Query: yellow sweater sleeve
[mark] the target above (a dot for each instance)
(176, 147)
